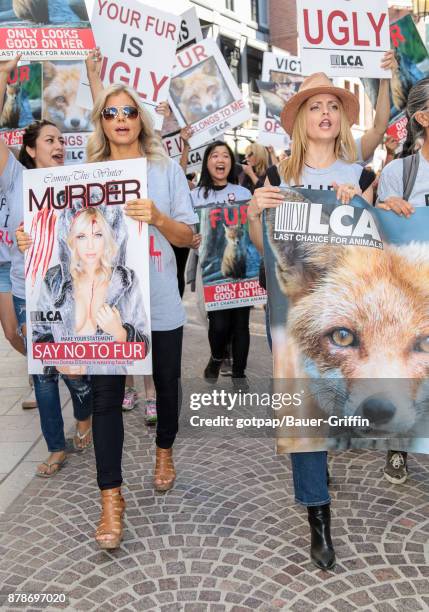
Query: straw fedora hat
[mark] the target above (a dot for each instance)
(314, 84)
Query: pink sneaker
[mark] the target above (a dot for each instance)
(130, 399)
(150, 412)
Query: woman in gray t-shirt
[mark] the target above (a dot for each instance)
(318, 118)
(123, 130)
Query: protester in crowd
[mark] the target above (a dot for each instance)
(124, 130)
(318, 118)
(254, 167)
(7, 311)
(403, 186)
(218, 185)
(43, 147)
(8, 318)
(131, 398)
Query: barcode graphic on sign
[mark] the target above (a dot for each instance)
(291, 217)
(335, 60)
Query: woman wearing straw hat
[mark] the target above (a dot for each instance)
(318, 118)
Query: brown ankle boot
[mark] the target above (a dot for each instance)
(165, 474)
(109, 530)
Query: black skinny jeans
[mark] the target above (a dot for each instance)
(231, 324)
(108, 395)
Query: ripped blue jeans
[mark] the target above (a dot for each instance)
(48, 396)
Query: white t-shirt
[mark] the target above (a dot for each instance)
(227, 195)
(322, 178)
(391, 182)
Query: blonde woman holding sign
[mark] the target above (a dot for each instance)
(123, 130)
(318, 118)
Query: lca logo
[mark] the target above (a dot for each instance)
(354, 61)
(310, 218)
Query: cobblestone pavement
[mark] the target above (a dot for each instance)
(228, 536)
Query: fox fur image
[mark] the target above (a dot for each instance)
(200, 91)
(37, 11)
(358, 317)
(234, 256)
(11, 108)
(60, 86)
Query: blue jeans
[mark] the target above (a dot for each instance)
(310, 470)
(49, 405)
(48, 396)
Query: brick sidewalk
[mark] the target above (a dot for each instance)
(228, 536)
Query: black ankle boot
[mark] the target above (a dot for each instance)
(211, 372)
(322, 551)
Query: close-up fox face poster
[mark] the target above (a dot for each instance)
(349, 322)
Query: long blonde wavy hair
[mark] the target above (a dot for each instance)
(290, 169)
(98, 147)
(260, 154)
(83, 222)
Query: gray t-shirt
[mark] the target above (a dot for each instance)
(5, 235)
(322, 178)
(168, 188)
(11, 185)
(391, 182)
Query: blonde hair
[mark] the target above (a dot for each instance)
(290, 169)
(261, 156)
(82, 220)
(98, 147)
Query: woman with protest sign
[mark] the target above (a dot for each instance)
(43, 147)
(403, 185)
(7, 311)
(318, 118)
(124, 130)
(218, 184)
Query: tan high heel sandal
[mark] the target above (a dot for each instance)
(165, 474)
(110, 528)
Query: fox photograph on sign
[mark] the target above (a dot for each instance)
(44, 29)
(343, 37)
(281, 78)
(87, 272)
(22, 103)
(204, 94)
(333, 274)
(229, 260)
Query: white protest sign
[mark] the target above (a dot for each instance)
(173, 144)
(204, 94)
(190, 29)
(281, 78)
(87, 270)
(138, 44)
(343, 37)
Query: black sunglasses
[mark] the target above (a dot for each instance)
(111, 112)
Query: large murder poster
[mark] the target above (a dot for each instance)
(87, 271)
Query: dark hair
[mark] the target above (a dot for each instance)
(418, 100)
(31, 134)
(206, 180)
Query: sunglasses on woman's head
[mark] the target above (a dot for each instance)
(111, 112)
